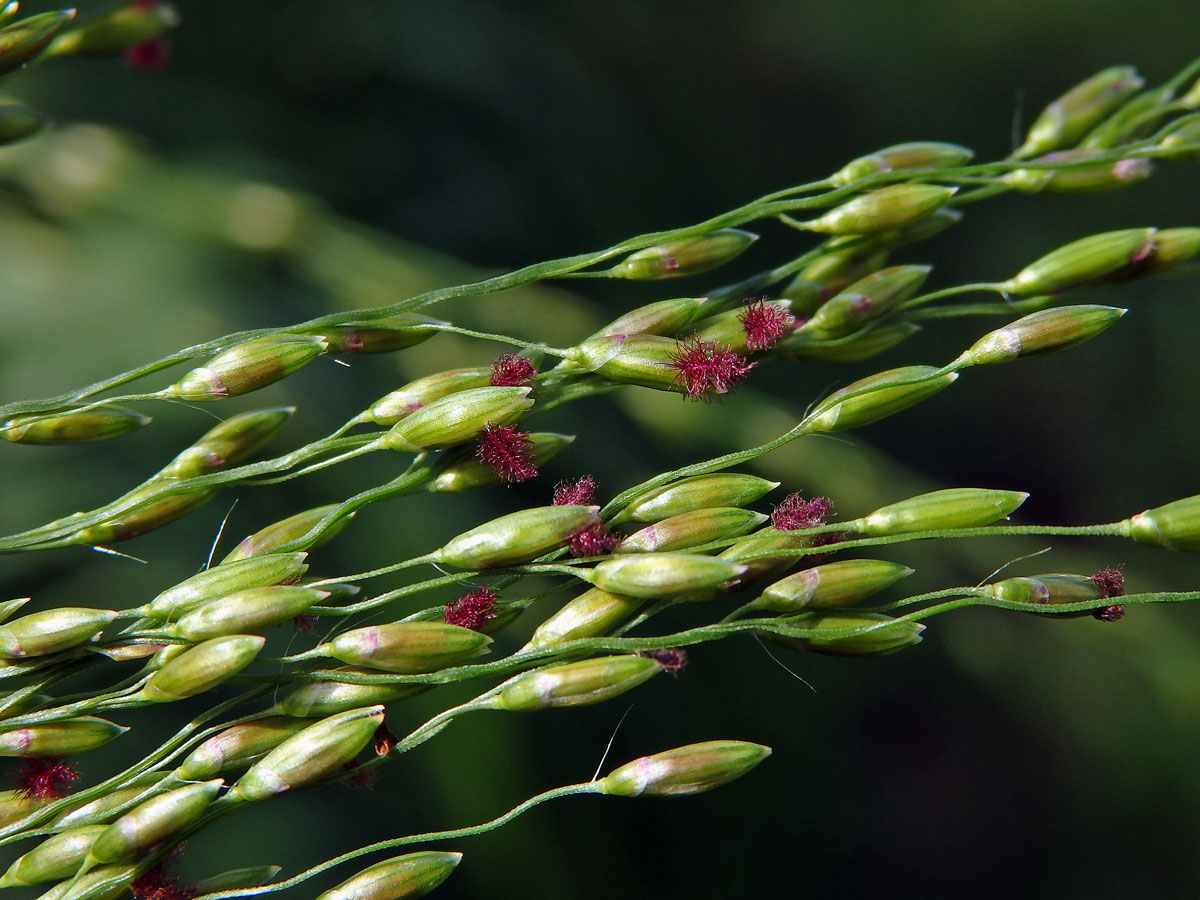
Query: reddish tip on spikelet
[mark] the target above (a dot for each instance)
(44, 777)
(796, 512)
(384, 740)
(575, 493)
(512, 370)
(595, 540)
(471, 609)
(764, 326)
(703, 368)
(157, 883)
(507, 452)
(672, 659)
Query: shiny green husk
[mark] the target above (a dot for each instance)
(666, 317)
(377, 335)
(24, 40)
(287, 531)
(1044, 590)
(938, 510)
(151, 822)
(324, 698)
(407, 647)
(113, 31)
(574, 684)
(1080, 109)
(830, 585)
(690, 529)
(10, 608)
(517, 537)
(202, 667)
(874, 634)
(1175, 526)
(320, 750)
(1077, 179)
(255, 571)
(1079, 262)
(402, 878)
(915, 155)
(58, 856)
(391, 408)
(145, 517)
(652, 575)
(592, 613)
(67, 426)
(696, 492)
(237, 747)
(866, 299)
(247, 367)
(684, 770)
(52, 630)
(641, 359)
(456, 418)
(1041, 332)
(17, 804)
(689, 256)
(66, 737)
(245, 612)
(772, 550)
(233, 440)
(895, 206)
(877, 396)
(103, 810)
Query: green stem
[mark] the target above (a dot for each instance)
(471, 831)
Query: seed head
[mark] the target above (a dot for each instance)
(512, 370)
(471, 609)
(705, 367)
(796, 512)
(44, 777)
(507, 452)
(594, 540)
(579, 492)
(672, 659)
(764, 325)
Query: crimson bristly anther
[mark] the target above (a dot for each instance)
(507, 452)
(705, 368)
(472, 609)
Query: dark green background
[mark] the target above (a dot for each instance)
(1005, 756)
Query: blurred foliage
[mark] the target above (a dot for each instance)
(298, 157)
